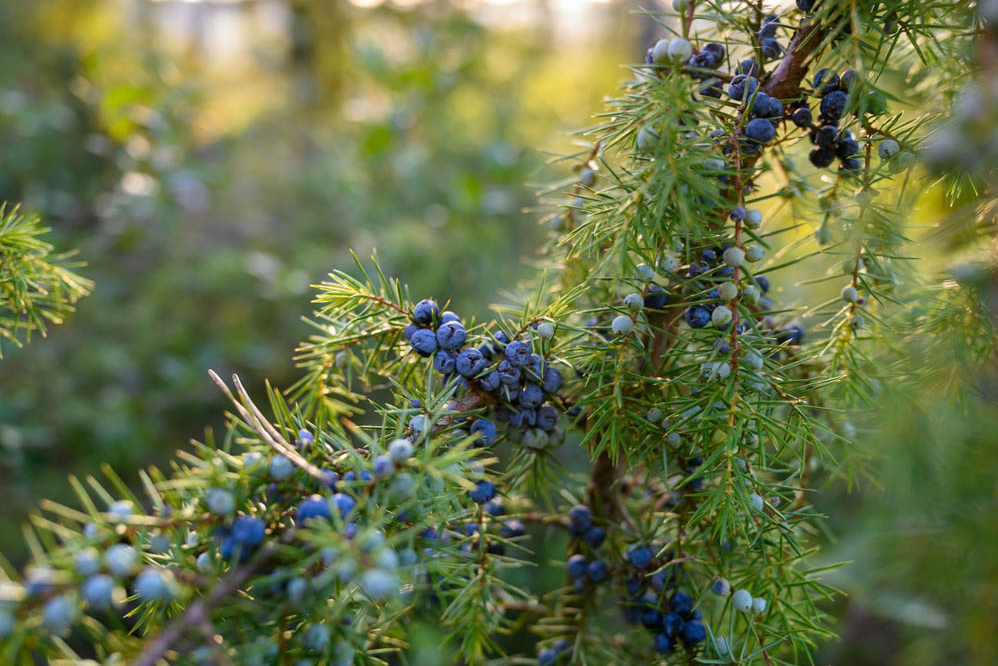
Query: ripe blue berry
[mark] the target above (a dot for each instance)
(742, 87)
(887, 149)
(424, 342)
(696, 316)
(581, 519)
(120, 560)
(577, 566)
(771, 48)
(656, 297)
(491, 381)
(344, 503)
(721, 587)
(806, 5)
(58, 615)
(383, 466)
(672, 624)
(486, 431)
(426, 312)
(681, 603)
(470, 363)
(833, 105)
(447, 316)
(694, 633)
(594, 537)
(451, 336)
(517, 353)
(546, 656)
(546, 330)
(664, 644)
(802, 117)
(408, 330)
(821, 157)
(760, 130)
(443, 362)
(826, 81)
(314, 506)
(792, 334)
(250, 530)
(597, 571)
(531, 396)
(400, 450)
(639, 555)
(483, 492)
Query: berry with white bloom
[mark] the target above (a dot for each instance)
(742, 600)
(634, 302)
(734, 256)
(58, 615)
(97, 591)
(154, 584)
(87, 562)
(545, 330)
(317, 637)
(754, 253)
(753, 219)
(721, 316)
(680, 49)
(120, 559)
(888, 148)
(281, 468)
(849, 294)
(400, 450)
(756, 501)
(660, 52)
(758, 605)
(622, 325)
(728, 291)
(220, 501)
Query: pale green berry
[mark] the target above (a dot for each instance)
(741, 600)
(386, 558)
(673, 439)
(758, 605)
(87, 562)
(220, 501)
(823, 235)
(756, 501)
(660, 52)
(400, 449)
(734, 256)
(120, 559)
(204, 562)
(850, 264)
(680, 49)
(281, 468)
(864, 198)
(545, 330)
(905, 159)
(343, 654)
(58, 615)
(97, 591)
(680, 5)
(622, 325)
(752, 293)
(667, 264)
(719, 370)
(646, 272)
(153, 584)
(720, 316)
(646, 140)
(752, 359)
(888, 148)
(535, 438)
(317, 638)
(159, 544)
(754, 253)
(341, 359)
(728, 291)
(403, 485)
(297, 588)
(634, 302)
(7, 623)
(379, 584)
(753, 218)
(654, 415)
(849, 294)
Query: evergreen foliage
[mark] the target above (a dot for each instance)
(421, 458)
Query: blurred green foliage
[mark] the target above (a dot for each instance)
(207, 186)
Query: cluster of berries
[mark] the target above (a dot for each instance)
(830, 142)
(519, 381)
(671, 618)
(582, 570)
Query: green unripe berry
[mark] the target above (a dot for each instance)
(752, 294)
(654, 415)
(622, 325)
(728, 291)
(220, 501)
(660, 52)
(753, 218)
(849, 294)
(647, 139)
(720, 316)
(851, 264)
(734, 256)
(905, 160)
(341, 359)
(667, 264)
(754, 253)
(680, 49)
(888, 148)
(634, 302)
(545, 329)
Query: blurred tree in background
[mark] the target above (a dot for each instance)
(212, 160)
